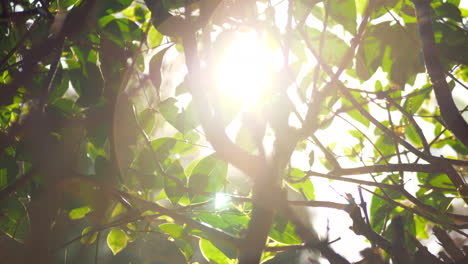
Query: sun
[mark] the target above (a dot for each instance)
(245, 70)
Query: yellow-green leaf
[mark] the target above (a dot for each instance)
(88, 238)
(79, 213)
(117, 240)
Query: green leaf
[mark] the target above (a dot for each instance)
(380, 210)
(434, 179)
(421, 227)
(212, 254)
(184, 120)
(369, 56)
(135, 13)
(79, 213)
(361, 6)
(283, 231)
(154, 37)
(381, 7)
(302, 9)
(413, 103)
(117, 240)
(311, 158)
(305, 187)
(355, 114)
(169, 110)
(408, 227)
(60, 85)
(231, 221)
(334, 47)
(298, 48)
(122, 31)
(192, 165)
(113, 6)
(209, 175)
(173, 191)
(163, 146)
(155, 67)
(214, 220)
(90, 83)
(88, 238)
(148, 120)
(172, 229)
(9, 168)
(356, 134)
(385, 145)
(449, 11)
(245, 139)
(411, 134)
(344, 12)
(15, 220)
(146, 165)
(186, 143)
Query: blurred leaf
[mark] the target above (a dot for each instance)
(155, 67)
(183, 120)
(154, 37)
(385, 145)
(209, 175)
(421, 227)
(284, 232)
(8, 168)
(413, 103)
(88, 238)
(122, 31)
(305, 187)
(408, 226)
(173, 191)
(113, 6)
(448, 10)
(135, 13)
(369, 56)
(14, 221)
(148, 120)
(230, 221)
(344, 12)
(411, 134)
(311, 158)
(186, 143)
(117, 240)
(172, 229)
(354, 113)
(211, 253)
(245, 139)
(334, 48)
(60, 85)
(381, 7)
(79, 213)
(380, 210)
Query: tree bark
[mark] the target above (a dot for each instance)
(448, 110)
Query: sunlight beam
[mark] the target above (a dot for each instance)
(246, 68)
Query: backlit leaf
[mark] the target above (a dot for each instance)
(79, 213)
(208, 175)
(88, 238)
(117, 240)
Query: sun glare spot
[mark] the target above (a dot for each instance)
(221, 200)
(246, 68)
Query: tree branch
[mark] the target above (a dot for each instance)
(449, 111)
(438, 162)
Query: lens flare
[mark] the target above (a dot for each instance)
(246, 68)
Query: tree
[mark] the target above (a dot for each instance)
(106, 143)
